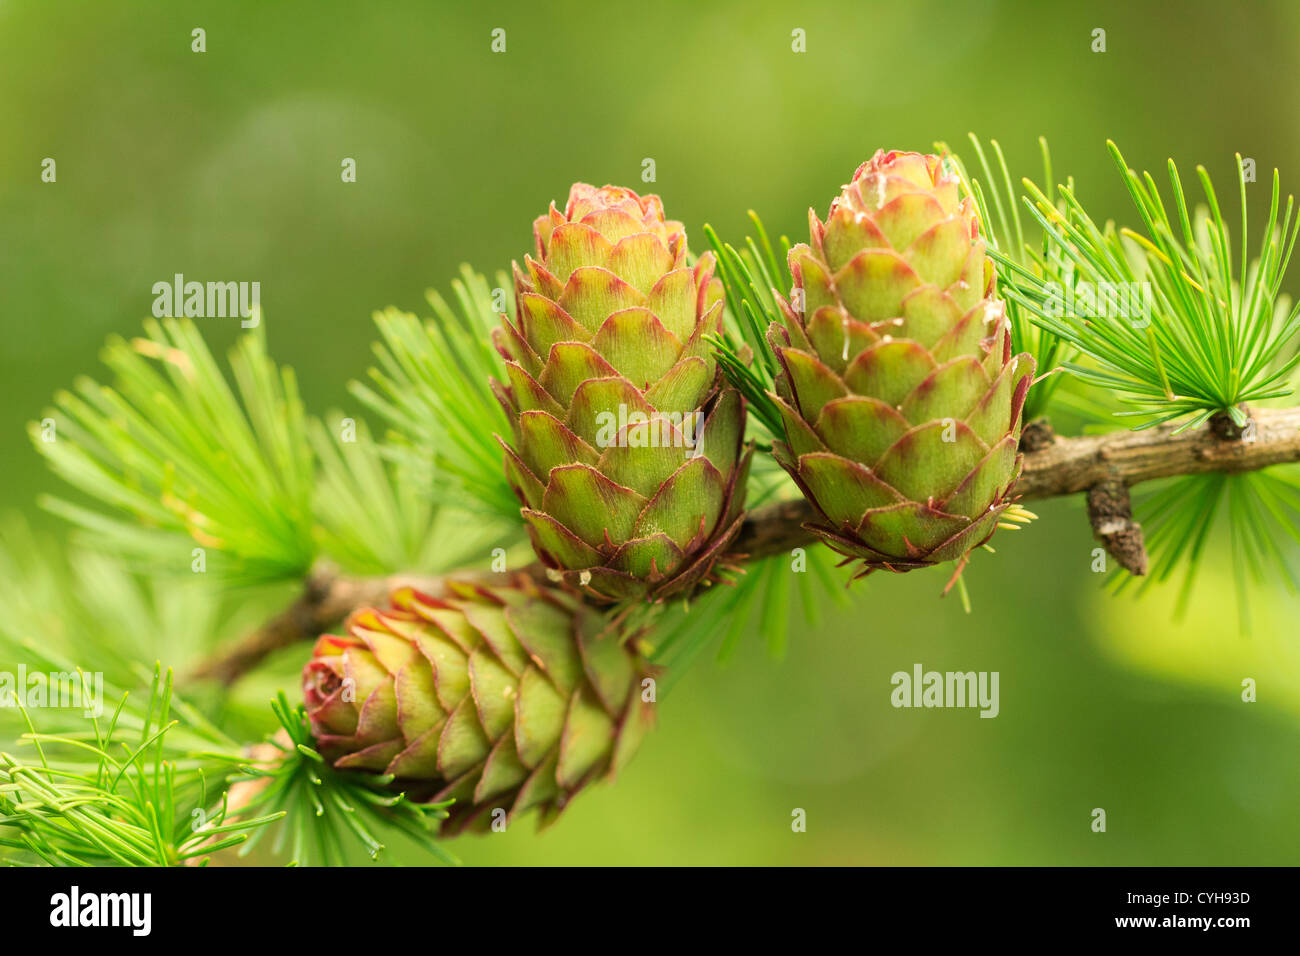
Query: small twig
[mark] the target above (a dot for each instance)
(1037, 435)
(1071, 465)
(1053, 467)
(327, 597)
(1110, 511)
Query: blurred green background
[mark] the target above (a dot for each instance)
(226, 165)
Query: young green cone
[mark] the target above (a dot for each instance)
(504, 698)
(627, 454)
(900, 395)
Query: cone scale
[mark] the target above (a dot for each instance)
(504, 698)
(899, 393)
(627, 452)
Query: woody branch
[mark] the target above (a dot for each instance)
(1104, 466)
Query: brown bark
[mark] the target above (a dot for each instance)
(1110, 511)
(327, 597)
(1070, 465)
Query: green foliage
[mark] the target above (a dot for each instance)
(1190, 519)
(176, 457)
(757, 600)
(431, 385)
(385, 507)
(90, 606)
(119, 792)
(753, 278)
(1004, 230)
(375, 509)
(158, 785)
(1218, 335)
(330, 813)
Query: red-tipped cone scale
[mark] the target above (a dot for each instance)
(627, 453)
(505, 698)
(900, 395)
